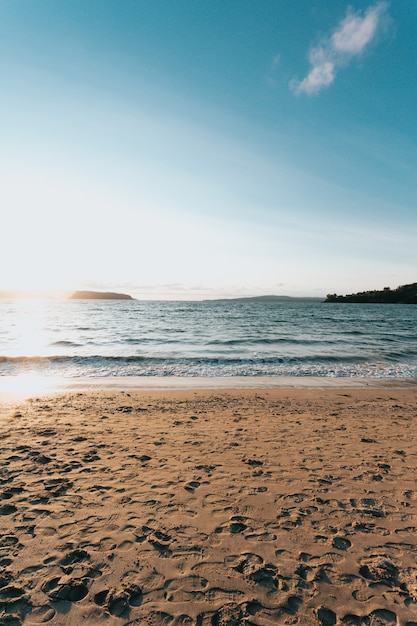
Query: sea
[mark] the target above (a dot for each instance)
(98, 338)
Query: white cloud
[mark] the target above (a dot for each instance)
(355, 32)
(350, 38)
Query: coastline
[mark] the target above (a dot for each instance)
(286, 505)
(18, 387)
(232, 382)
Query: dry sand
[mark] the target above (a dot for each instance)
(284, 506)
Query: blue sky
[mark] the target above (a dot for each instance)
(189, 149)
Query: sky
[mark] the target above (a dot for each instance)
(188, 149)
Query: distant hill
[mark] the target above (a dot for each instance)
(406, 294)
(267, 299)
(99, 295)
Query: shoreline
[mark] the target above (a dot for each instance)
(234, 382)
(19, 387)
(15, 390)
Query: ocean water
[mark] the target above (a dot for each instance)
(68, 338)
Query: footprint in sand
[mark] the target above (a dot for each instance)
(228, 614)
(341, 543)
(162, 548)
(184, 620)
(31, 569)
(10, 593)
(5, 579)
(187, 589)
(57, 486)
(245, 563)
(351, 620)
(363, 595)
(308, 510)
(154, 618)
(160, 541)
(10, 492)
(237, 524)
(7, 509)
(253, 568)
(106, 544)
(125, 545)
(295, 497)
(192, 486)
(381, 617)
(262, 536)
(408, 530)
(326, 617)
(217, 595)
(8, 540)
(331, 557)
(118, 602)
(149, 578)
(380, 570)
(253, 462)
(41, 615)
(70, 590)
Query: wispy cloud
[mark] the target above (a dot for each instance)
(349, 39)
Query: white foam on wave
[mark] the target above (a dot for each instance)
(103, 367)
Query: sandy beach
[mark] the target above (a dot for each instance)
(209, 507)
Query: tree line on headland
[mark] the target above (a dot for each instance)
(406, 294)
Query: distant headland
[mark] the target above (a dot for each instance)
(268, 299)
(406, 294)
(99, 295)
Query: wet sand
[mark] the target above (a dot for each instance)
(209, 507)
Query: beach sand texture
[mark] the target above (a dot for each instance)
(210, 508)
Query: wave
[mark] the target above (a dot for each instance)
(95, 359)
(98, 366)
(266, 341)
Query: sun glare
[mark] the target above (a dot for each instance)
(30, 333)
(24, 386)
